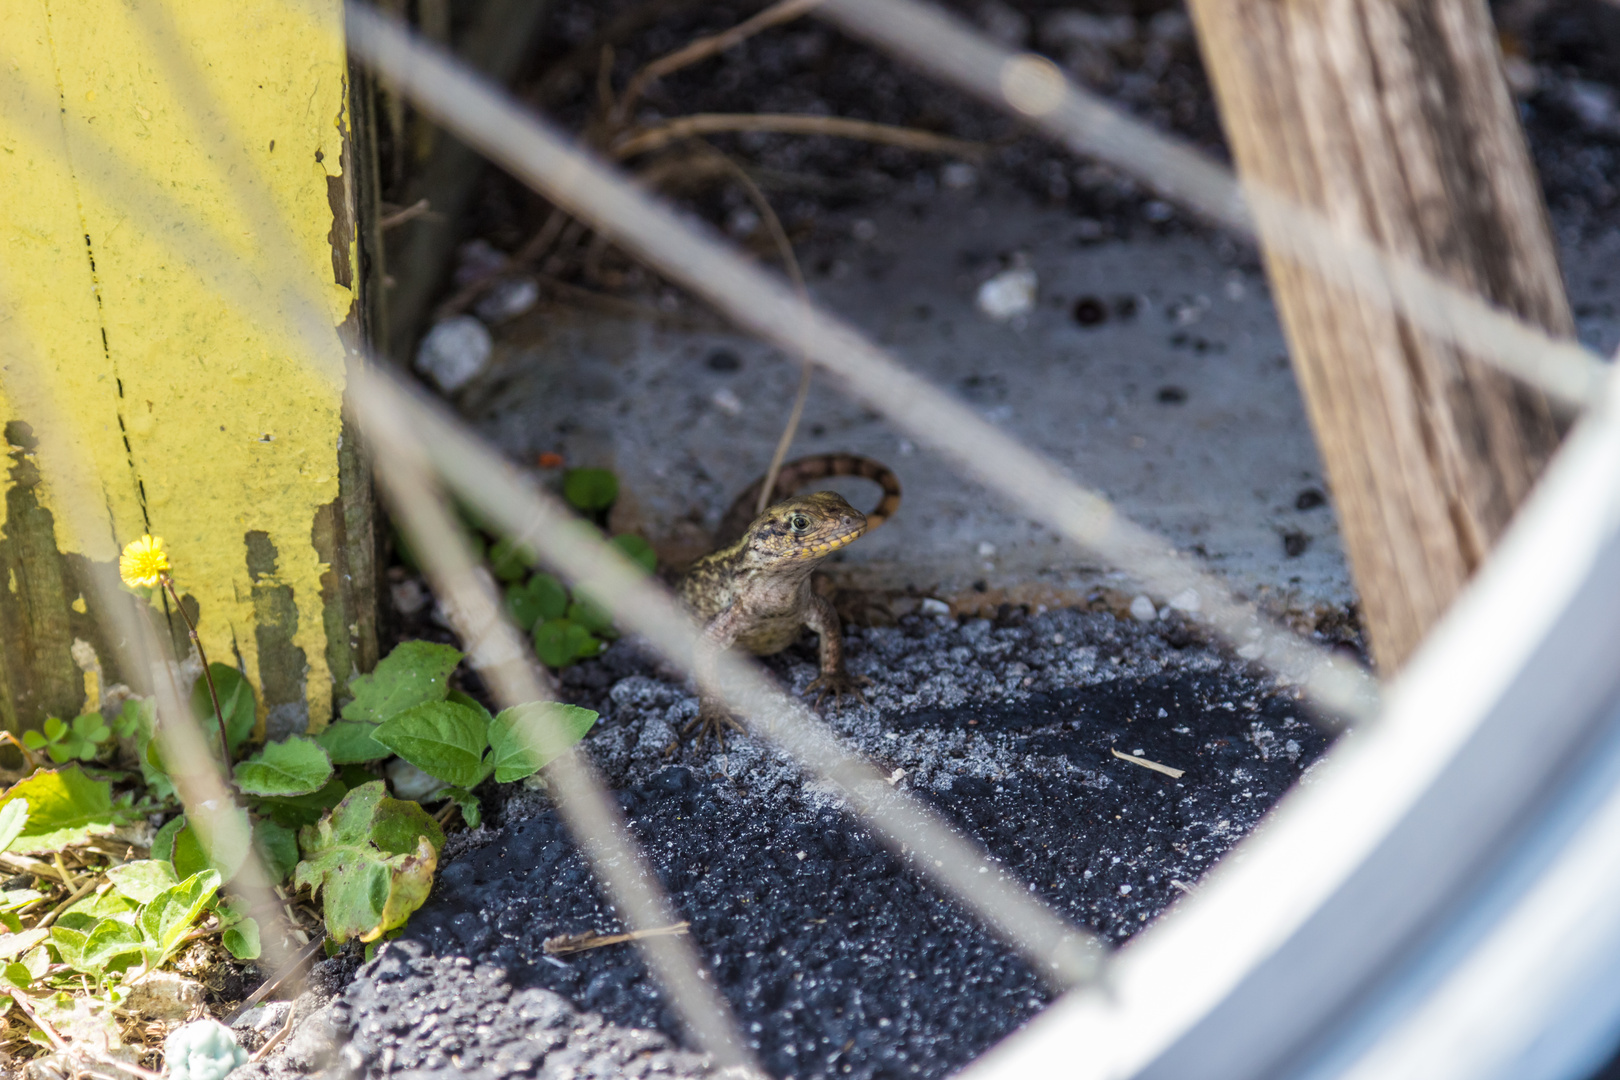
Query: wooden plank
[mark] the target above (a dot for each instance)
(1393, 118)
(202, 422)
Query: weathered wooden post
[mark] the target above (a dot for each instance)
(200, 420)
(1392, 117)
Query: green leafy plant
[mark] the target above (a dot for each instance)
(371, 861)
(236, 704)
(414, 673)
(293, 766)
(590, 490)
(463, 746)
(540, 598)
(80, 740)
(560, 642)
(567, 627)
(636, 550)
(65, 807)
(146, 924)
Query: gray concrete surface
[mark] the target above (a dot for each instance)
(1178, 404)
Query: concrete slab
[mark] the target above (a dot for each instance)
(1153, 371)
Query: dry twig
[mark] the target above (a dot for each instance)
(1174, 774)
(275, 1040)
(394, 220)
(705, 47)
(684, 127)
(563, 944)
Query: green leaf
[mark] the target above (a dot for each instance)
(163, 842)
(349, 742)
(509, 562)
(34, 740)
(586, 644)
(142, 880)
(236, 702)
(442, 739)
(295, 766)
(153, 771)
(191, 856)
(590, 615)
(242, 940)
(66, 807)
(472, 811)
(171, 913)
(636, 550)
(91, 727)
(107, 904)
(278, 846)
(38, 961)
(459, 698)
(69, 934)
(416, 672)
(13, 819)
(17, 944)
(303, 810)
(55, 728)
(371, 860)
(527, 738)
(590, 489)
(111, 946)
(137, 715)
(559, 642)
(542, 597)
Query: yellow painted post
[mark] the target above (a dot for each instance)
(200, 416)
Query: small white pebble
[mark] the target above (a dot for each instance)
(454, 352)
(931, 606)
(986, 549)
(1163, 715)
(1124, 890)
(1009, 293)
(726, 400)
(1186, 600)
(984, 869)
(801, 856)
(1142, 609)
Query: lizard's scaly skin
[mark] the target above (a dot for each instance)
(755, 592)
(796, 474)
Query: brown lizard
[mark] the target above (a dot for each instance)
(755, 590)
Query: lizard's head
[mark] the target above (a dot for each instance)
(803, 530)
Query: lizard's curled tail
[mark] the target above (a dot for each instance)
(796, 474)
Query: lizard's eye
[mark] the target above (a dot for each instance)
(798, 523)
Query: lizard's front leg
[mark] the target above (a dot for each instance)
(834, 680)
(713, 717)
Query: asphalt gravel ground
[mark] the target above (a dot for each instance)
(838, 959)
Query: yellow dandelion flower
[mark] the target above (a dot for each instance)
(143, 562)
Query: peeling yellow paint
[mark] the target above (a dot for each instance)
(199, 415)
(84, 655)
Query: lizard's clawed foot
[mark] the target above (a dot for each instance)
(712, 721)
(838, 683)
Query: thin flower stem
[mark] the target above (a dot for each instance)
(191, 627)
